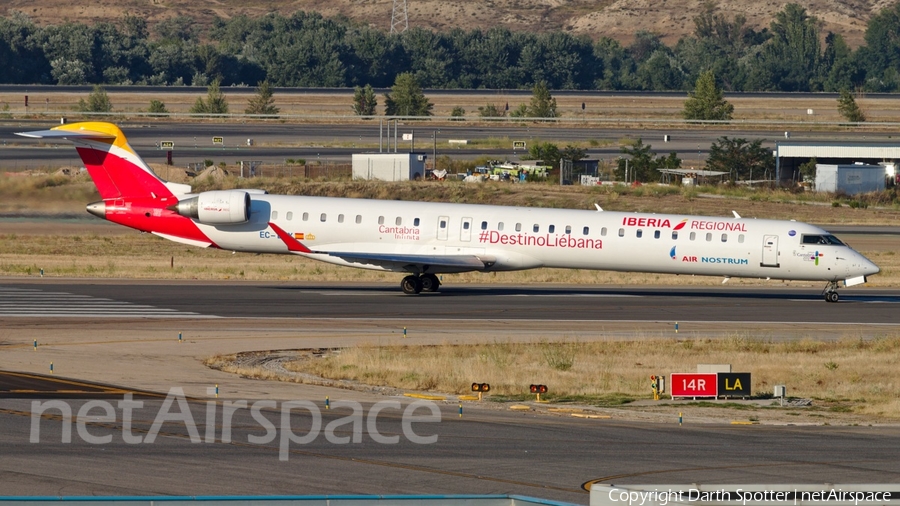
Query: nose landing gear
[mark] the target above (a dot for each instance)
(830, 292)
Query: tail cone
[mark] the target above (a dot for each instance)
(98, 209)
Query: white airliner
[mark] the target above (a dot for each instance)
(426, 239)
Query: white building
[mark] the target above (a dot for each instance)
(389, 166)
(850, 178)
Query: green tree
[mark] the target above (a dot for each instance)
(458, 112)
(406, 98)
(98, 101)
(707, 102)
(668, 162)
(639, 162)
(262, 102)
(157, 108)
(881, 54)
(548, 153)
(742, 160)
(848, 108)
(519, 112)
(573, 153)
(491, 111)
(364, 101)
(808, 170)
(840, 65)
(543, 105)
(791, 60)
(215, 102)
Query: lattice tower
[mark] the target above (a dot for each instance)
(399, 17)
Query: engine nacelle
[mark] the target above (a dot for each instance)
(224, 207)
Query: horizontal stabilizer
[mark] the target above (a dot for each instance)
(66, 134)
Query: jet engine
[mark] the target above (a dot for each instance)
(227, 207)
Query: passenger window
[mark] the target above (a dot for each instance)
(466, 225)
(500, 226)
(741, 238)
(639, 233)
(398, 221)
(568, 229)
(551, 229)
(358, 218)
(656, 234)
(621, 232)
(518, 227)
(708, 236)
(289, 215)
(483, 225)
(586, 231)
(416, 222)
(603, 232)
(340, 218)
(305, 216)
(537, 228)
(674, 235)
(693, 235)
(274, 215)
(322, 218)
(724, 237)
(381, 220)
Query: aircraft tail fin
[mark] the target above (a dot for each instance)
(114, 166)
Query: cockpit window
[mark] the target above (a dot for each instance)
(822, 239)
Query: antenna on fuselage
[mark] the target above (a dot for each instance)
(736, 215)
(599, 209)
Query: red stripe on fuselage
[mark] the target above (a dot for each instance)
(151, 215)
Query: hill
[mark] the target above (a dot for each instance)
(618, 19)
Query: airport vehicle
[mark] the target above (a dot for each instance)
(424, 240)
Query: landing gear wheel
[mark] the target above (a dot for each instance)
(430, 282)
(411, 285)
(831, 297)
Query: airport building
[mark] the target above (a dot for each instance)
(789, 156)
(389, 166)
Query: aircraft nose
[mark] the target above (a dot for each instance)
(870, 268)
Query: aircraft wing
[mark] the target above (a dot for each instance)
(390, 260)
(455, 261)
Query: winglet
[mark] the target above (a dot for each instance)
(291, 243)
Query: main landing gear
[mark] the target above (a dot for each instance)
(830, 292)
(413, 284)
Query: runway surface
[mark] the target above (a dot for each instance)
(123, 334)
(483, 451)
(787, 305)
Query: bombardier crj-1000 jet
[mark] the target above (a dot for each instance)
(425, 239)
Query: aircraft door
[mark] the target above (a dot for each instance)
(770, 251)
(443, 226)
(465, 230)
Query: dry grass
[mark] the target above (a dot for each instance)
(850, 374)
(143, 256)
(599, 110)
(91, 248)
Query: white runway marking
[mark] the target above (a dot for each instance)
(33, 303)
